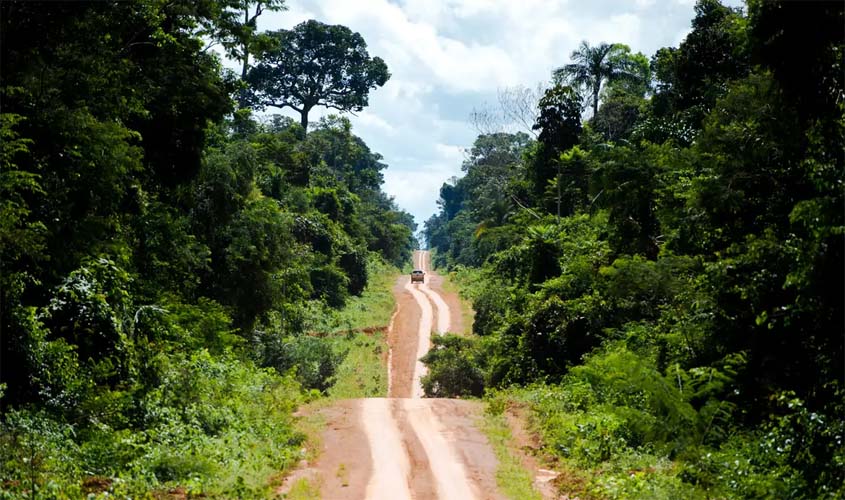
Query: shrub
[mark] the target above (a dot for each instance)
(312, 359)
(454, 368)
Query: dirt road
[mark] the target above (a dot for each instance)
(406, 446)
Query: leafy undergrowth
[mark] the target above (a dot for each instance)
(373, 309)
(207, 423)
(363, 371)
(617, 429)
(214, 426)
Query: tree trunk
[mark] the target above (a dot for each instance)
(245, 45)
(303, 119)
(246, 63)
(596, 100)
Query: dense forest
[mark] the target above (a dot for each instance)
(660, 284)
(168, 254)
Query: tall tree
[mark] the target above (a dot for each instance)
(234, 25)
(559, 123)
(316, 64)
(594, 66)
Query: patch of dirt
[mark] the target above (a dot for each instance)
(458, 417)
(403, 341)
(343, 467)
(528, 448)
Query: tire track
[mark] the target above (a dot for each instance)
(389, 479)
(408, 448)
(444, 315)
(423, 339)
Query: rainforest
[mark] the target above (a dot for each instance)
(655, 263)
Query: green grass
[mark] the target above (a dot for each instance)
(303, 489)
(374, 307)
(513, 480)
(363, 373)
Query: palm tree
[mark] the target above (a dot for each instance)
(594, 66)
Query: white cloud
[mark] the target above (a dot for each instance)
(417, 189)
(450, 153)
(373, 121)
(448, 56)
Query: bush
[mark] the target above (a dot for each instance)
(36, 454)
(312, 360)
(454, 368)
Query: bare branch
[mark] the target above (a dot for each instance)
(516, 111)
(486, 120)
(519, 106)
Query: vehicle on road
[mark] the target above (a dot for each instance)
(417, 276)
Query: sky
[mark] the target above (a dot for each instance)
(450, 57)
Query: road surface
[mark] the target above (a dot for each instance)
(406, 446)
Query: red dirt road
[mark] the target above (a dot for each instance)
(406, 446)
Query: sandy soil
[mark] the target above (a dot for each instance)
(456, 321)
(406, 446)
(403, 340)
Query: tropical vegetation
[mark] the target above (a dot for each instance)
(659, 287)
(173, 265)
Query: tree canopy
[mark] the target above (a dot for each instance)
(594, 66)
(316, 64)
(165, 257)
(663, 282)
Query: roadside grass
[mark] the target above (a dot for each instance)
(363, 372)
(513, 480)
(373, 309)
(303, 489)
(361, 332)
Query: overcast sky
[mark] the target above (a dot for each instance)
(448, 57)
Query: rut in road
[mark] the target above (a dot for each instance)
(406, 446)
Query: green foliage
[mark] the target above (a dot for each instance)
(624, 421)
(311, 359)
(669, 304)
(153, 251)
(201, 408)
(34, 457)
(316, 64)
(559, 121)
(237, 26)
(18, 235)
(596, 66)
(453, 368)
(374, 307)
(482, 201)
